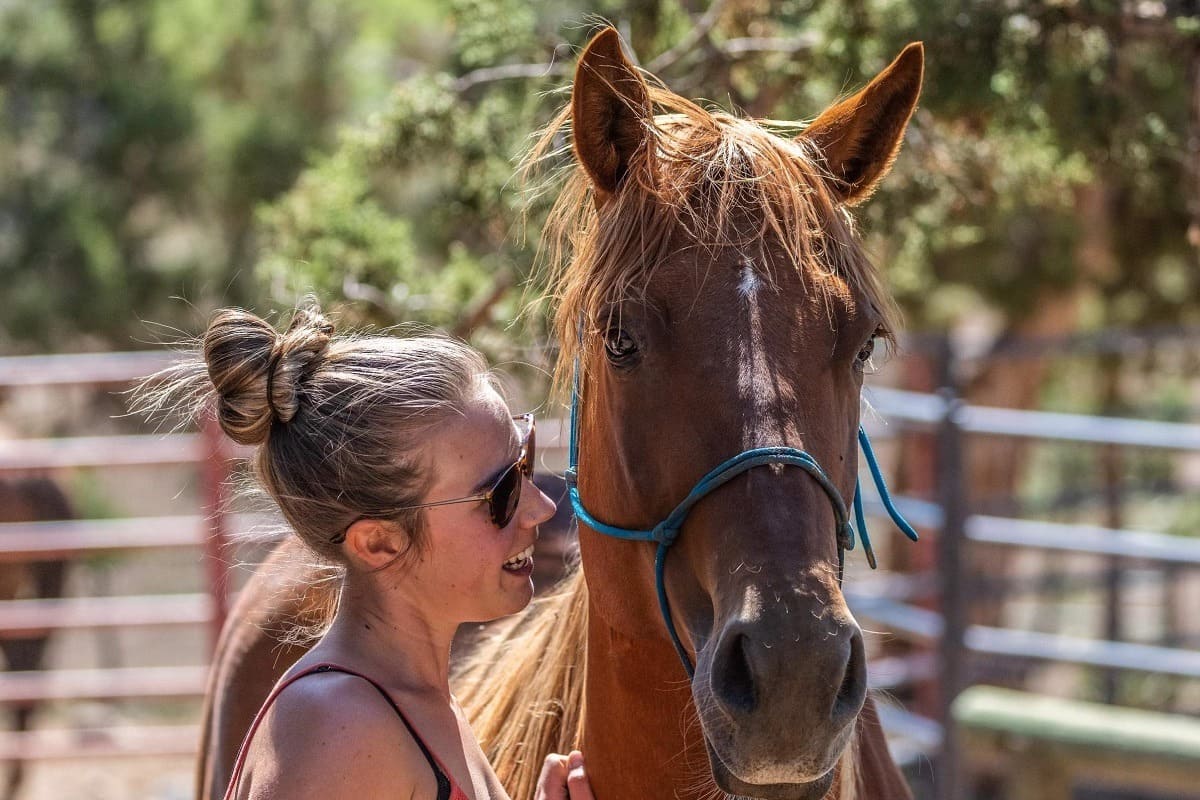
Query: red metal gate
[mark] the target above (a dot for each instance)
(205, 531)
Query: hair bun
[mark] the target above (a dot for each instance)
(257, 372)
(298, 351)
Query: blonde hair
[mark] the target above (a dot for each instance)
(338, 421)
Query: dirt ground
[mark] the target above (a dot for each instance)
(109, 779)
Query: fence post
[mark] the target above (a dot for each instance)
(214, 480)
(1111, 468)
(952, 495)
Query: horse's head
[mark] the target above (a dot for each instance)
(719, 301)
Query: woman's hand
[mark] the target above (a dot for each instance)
(563, 778)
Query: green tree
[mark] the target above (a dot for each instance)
(139, 136)
(159, 149)
(1029, 110)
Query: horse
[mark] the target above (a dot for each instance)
(714, 308)
(24, 500)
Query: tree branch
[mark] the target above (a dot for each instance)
(735, 48)
(481, 314)
(732, 48)
(708, 20)
(504, 72)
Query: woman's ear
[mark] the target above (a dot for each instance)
(372, 544)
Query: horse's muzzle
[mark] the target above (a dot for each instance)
(781, 699)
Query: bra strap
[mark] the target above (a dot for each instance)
(439, 772)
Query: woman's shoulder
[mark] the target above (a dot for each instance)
(333, 735)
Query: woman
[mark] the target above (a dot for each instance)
(397, 459)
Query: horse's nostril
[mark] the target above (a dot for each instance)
(853, 690)
(732, 675)
(822, 686)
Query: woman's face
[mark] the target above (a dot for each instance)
(464, 564)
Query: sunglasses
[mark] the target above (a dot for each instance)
(505, 494)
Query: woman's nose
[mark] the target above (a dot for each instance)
(537, 504)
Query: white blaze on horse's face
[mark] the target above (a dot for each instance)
(749, 285)
(754, 388)
(752, 302)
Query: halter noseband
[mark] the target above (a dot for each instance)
(666, 532)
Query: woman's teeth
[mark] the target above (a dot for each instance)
(520, 559)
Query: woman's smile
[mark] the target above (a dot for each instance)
(521, 564)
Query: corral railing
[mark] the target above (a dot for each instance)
(891, 603)
(204, 531)
(944, 628)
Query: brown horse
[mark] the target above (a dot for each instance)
(25, 500)
(711, 286)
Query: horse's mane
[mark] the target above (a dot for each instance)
(714, 177)
(522, 688)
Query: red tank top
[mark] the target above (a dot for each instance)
(447, 788)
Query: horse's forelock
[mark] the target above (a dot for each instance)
(703, 175)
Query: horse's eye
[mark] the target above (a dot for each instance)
(864, 355)
(619, 345)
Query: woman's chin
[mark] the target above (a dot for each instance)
(522, 600)
(517, 592)
(510, 599)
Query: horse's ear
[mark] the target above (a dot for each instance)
(610, 108)
(860, 136)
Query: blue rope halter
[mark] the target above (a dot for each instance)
(666, 532)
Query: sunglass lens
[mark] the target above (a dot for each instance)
(506, 496)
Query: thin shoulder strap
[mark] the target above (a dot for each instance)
(439, 772)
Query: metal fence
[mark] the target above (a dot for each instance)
(954, 529)
(204, 531)
(944, 630)
(207, 531)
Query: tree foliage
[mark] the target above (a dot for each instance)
(139, 137)
(162, 149)
(1027, 106)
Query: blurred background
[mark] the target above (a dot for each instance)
(160, 159)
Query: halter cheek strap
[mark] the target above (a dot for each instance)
(666, 532)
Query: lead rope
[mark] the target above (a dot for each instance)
(666, 532)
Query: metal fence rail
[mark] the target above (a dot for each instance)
(207, 531)
(897, 405)
(148, 741)
(21, 619)
(109, 684)
(101, 451)
(1045, 535)
(952, 423)
(941, 415)
(924, 625)
(64, 539)
(57, 539)
(83, 369)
